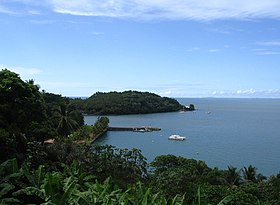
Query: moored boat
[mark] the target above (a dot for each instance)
(176, 137)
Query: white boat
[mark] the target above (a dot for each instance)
(176, 137)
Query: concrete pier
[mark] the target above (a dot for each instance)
(134, 129)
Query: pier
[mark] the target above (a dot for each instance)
(134, 129)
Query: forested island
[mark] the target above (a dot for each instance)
(127, 102)
(66, 172)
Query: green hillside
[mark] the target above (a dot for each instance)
(128, 102)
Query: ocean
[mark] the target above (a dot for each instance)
(221, 132)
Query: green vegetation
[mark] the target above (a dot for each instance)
(26, 114)
(88, 133)
(73, 186)
(66, 172)
(128, 102)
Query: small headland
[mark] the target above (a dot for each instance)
(90, 133)
(188, 107)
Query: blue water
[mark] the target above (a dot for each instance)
(237, 132)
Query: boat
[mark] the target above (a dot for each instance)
(176, 137)
(142, 129)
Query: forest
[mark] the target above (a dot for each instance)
(127, 102)
(68, 172)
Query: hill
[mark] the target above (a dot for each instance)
(127, 102)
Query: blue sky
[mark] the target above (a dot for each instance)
(175, 48)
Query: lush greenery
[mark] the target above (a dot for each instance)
(128, 102)
(72, 186)
(66, 172)
(89, 133)
(26, 114)
(188, 176)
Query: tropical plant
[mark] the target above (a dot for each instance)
(250, 174)
(176, 172)
(9, 173)
(21, 106)
(83, 133)
(143, 195)
(67, 122)
(31, 191)
(232, 176)
(123, 165)
(274, 188)
(101, 193)
(20, 103)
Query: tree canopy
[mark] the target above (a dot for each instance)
(26, 114)
(127, 102)
(20, 103)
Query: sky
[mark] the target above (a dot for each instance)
(174, 48)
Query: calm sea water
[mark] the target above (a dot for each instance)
(221, 132)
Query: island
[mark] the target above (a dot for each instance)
(127, 102)
(189, 107)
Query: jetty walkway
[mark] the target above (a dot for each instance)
(134, 129)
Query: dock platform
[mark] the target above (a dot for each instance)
(134, 129)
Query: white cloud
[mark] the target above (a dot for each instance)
(268, 53)
(5, 10)
(268, 48)
(213, 50)
(270, 93)
(166, 93)
(246, 92)
(96, 33)
(24, 7)
(63, 84)
(25, 73)
(171, 9)
(193, 49)
(269, 43)
(42, 22)
(151, 9)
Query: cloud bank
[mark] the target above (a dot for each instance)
(158, 9)
(268, 48)
(251, 93)
(25, 73)
(171, 9)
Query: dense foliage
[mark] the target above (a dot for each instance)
(65, 172)
(26, 114)
(72, 186)
(188, 176)
(128, 102)
(21, 103)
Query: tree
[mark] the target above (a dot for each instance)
(274, 186)
(232, 176)
(73, 186)
(21, 106)
(180, 173)
(201, 169)
(68, 121)
(123, 165)
(20, 103)
(250, 174)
